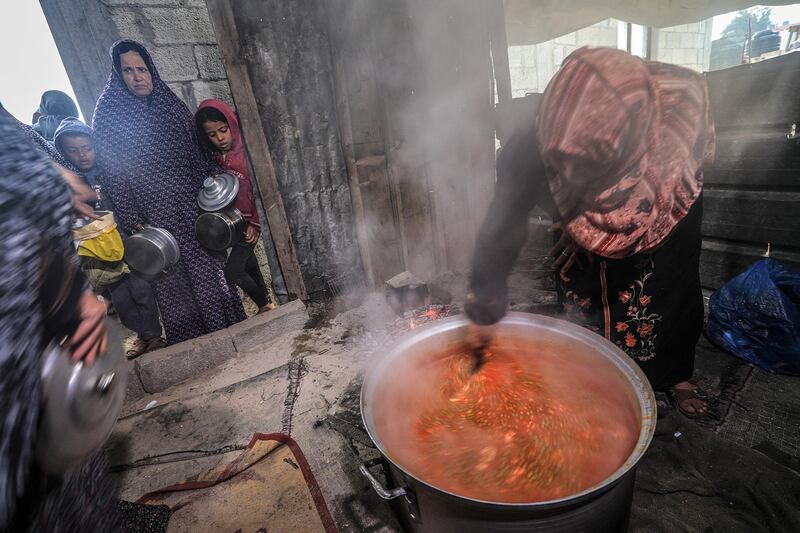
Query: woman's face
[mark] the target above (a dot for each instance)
(219, 134)
(136, 74)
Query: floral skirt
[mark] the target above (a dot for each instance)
(650, 305)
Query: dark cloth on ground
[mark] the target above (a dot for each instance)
(136, 306)
(152, 169)
(54, 107)
(241, 268)
(142, 518)
(35, 217)
(692, 480)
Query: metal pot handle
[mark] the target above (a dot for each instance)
(382, 491)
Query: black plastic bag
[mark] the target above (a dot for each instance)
(756, 316)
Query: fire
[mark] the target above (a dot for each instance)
(422, 315)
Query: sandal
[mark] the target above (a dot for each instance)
(681, 396)
(156, 343)
(138, 348)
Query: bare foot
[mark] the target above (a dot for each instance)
(268, 307)
(688, 400)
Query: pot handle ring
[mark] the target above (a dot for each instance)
(383, 492)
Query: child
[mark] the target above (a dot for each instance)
(132, 296)
(218, 134)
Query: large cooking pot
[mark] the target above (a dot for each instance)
(152, 251)
(219, 230)
(423, 507)
(220, 225)
(80, 404)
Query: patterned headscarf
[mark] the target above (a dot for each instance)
(146, 138)
(34, 203)
(624, 142)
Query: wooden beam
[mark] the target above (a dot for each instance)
(221, 15)
(83, 33)
(499, 44)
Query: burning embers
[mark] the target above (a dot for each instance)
(415, 303)
(422, 315)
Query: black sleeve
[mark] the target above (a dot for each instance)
(520, 187)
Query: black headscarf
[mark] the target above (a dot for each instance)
(54, 107)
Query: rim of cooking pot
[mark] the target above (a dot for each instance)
(218, 192)
(629, 369)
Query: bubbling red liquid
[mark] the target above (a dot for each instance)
(540, 420)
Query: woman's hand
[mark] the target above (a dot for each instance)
(90, 339)
(251, 234)
(566, 253)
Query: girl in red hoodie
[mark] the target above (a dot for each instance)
(218, 133)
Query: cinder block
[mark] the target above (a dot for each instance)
(209, 61)
(211, 89)
(175, 63)
(172, 3)
(129, 24)
(179, 25)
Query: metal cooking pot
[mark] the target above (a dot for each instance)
(152, 251)
(220, 230)
(219, 191)
(80, 404)
(423, 507)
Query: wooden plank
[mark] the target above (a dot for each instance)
(763, 178)
(760, 93)
(224, 24)
(752, 216)
(385, 258)
(499, 45)
(402, 101)
(721, 261)
(338, 11)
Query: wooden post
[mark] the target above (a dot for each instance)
(83, 34)
(222, 19)
(499, 44)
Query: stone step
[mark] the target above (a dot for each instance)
(157, 371)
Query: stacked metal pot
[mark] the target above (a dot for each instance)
(220, 224)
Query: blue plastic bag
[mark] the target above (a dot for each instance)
(756, 316)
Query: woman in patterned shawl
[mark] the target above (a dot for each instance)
(37, 263)
(152, 169)
(621, 148)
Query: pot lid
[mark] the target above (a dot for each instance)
(218, 191)
(80, 403)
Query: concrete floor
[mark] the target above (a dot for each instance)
(306, 382)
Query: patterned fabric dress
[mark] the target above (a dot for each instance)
(35, 212)
(148, 155)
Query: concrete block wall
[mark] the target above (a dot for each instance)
(532, 66)
(688, 45)
(179, 35)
